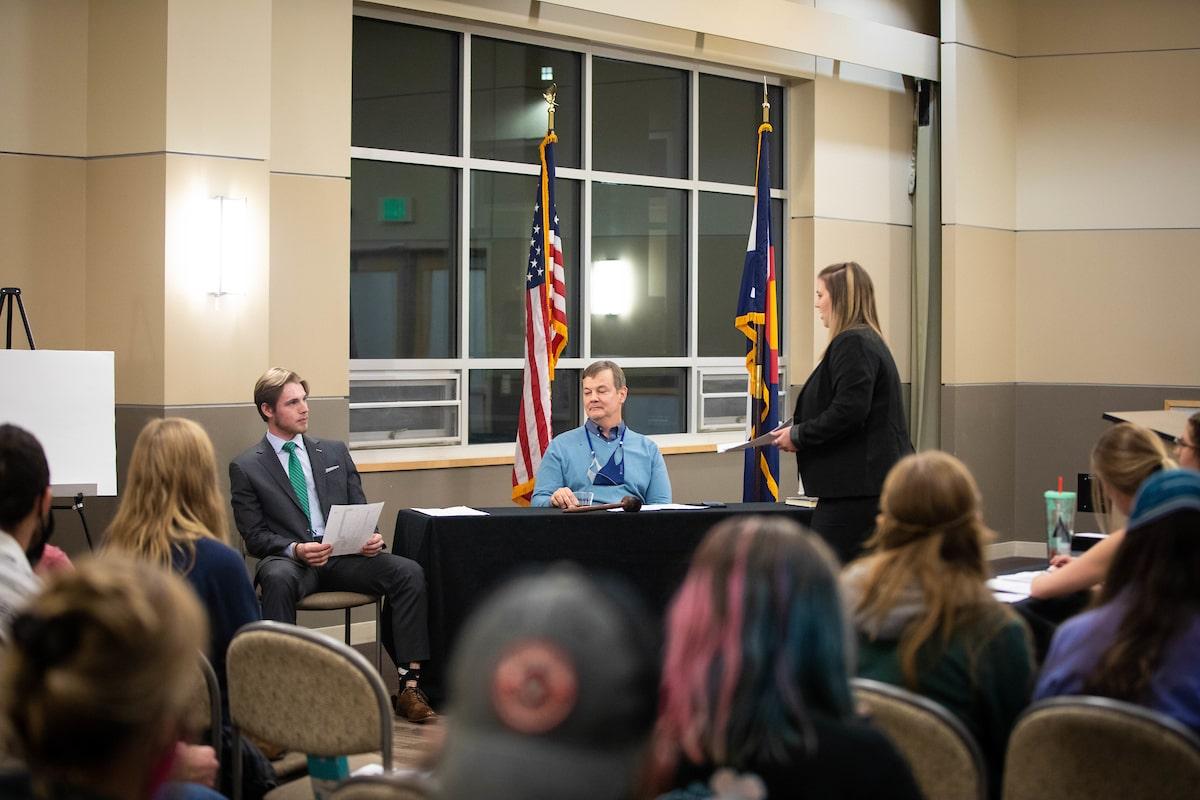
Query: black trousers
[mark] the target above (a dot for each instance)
(401, 582)
(845, 523)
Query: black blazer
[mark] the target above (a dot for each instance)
(849, 425)
(265, 508)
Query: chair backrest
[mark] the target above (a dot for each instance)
(386, 787)
(304, 691)
(944, 757)
(204, 703)
(1098, 748)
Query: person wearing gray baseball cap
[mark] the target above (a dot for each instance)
(554, 686)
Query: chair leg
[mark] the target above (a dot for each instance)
(379, 636)
(347, 627)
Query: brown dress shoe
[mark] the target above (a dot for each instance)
(412, 704)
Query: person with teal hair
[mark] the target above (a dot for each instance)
(755, 698)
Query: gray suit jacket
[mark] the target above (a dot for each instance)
(265, 508)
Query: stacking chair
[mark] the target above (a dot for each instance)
(334, 601)
(204, 704)
(944, 757)
(305, 692)
(1100, 749)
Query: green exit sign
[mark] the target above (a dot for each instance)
(395, 209)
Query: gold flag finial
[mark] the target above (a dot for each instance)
(551, 103)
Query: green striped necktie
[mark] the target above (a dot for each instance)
(296, 476)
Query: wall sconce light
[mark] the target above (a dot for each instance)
(612, 287)
(227, 241)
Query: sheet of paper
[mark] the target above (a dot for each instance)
(1017, 583)
(452, 511)
(349, 527)
(761, 441)
(664, 507)
(1009, 597)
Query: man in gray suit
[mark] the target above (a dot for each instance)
(282, 490)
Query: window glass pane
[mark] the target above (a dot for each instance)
(400, 391)
(724, 233)
(657, 401)
(730, 113)
(508, 114)
(501, 223)
(404, 424)
(639, 115)
(638, 280)
(405, 87)
(724, 412)
(496, 402)
(403, 261)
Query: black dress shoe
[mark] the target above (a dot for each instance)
(412, 704)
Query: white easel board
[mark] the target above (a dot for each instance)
(65, 398)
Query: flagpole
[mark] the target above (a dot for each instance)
(551, 104)
(766, 105)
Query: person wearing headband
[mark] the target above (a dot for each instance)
(602, 456)
(924, 616)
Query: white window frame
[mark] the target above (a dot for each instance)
(360, 369)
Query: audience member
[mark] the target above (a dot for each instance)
(1187, 446)
(602, 456)
(1122, 459)
(1142, 644)
(924, 615)
(96, 683)
(26, 522)
(171, 514)
(283, 488)
(755, 697)
(553, 693)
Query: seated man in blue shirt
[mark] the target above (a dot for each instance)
(601, 456)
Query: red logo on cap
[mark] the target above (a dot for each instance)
(534, 687)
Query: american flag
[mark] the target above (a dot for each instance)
(757, 319)
(545, 329)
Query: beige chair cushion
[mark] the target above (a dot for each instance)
(1065, 750)
(335, 601)
(941, 759)
(305, 693)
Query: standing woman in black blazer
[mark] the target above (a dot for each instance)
(849, 426)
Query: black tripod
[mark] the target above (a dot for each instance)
(12, 296)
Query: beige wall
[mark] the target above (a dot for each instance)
(1071, 215)
(43, 89)
(859, 127)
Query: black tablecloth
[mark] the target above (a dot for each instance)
(465, 558)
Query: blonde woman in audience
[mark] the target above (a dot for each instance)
(1123, 458)
(925, 619)
(171, 514)
(96, 682)
(755, 699)
(1142, 643)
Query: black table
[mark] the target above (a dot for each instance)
(465, 558)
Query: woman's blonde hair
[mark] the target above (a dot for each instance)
(170, 499)
(851, 296)
(1122, 459)
(930, 534)
(100, 664)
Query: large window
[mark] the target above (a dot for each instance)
(654, 195)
